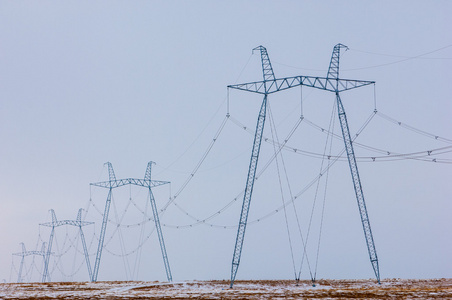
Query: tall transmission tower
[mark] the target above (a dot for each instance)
(28, 253)
(270, 85)
(55, 223)
(115, 183)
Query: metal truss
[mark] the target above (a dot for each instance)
(358, 188)
(55, 223)
(267, 69)
(268, 76)
(131, 181)
(333, 72)
(28, 253)
(331, 83)
(248, 190)
(333, 69)
(114, 183)
(281, 84)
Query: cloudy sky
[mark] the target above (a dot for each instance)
(86, 82)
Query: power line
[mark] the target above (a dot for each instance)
(404, 58)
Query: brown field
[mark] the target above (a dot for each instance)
(253, 289)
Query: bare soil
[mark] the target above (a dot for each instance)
(252, 289)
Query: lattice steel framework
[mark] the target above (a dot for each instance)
(115, 183)
(270, 85)
(333, 72)
(28, 253)
(55, 223)
(268, 76)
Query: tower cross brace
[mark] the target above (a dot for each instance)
(270, 85)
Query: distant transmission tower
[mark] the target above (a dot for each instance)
(115, 183)
(271, 85)
(55, 223)
(28, 253)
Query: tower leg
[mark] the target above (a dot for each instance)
(85, 250)
(358, 187)
(19, 276)
(160, 235)
(248, 190)
(102, 236)
(46, 275)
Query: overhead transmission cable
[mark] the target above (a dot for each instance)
(195, 140)
(312, 182)
(278, 151)
(27, 273)
(330, 129)
(330, 138)
(140, 242)
(121, 239)
(304, 152)
(261, 171)
(399, 61)
(198, 165)
(407, 57)
(389, 155)
(13, 268)
(209, 148)
(75, 256)
(404, 58)
(172, 199)
(416, 130)
(127, 253)
(281, 146)
(210, 120)
(274, 136)
(119, 224)
(133, 251)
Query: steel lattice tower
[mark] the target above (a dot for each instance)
(115, 183)
(28, 253)
(269, 85)
(55, 223)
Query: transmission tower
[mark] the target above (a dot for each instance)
(55, 223)
(115, 183)
(269, 85)
(28, 253)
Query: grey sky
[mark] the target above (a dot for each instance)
(86, 82)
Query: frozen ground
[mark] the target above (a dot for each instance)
(255, 289)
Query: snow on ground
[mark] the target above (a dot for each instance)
(252, 289)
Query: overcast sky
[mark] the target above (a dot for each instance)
(86, 82)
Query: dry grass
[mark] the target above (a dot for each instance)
(250, 289)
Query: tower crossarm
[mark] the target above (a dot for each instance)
(28, 253)
(66, 222)
(280, 84)
(127, 181)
